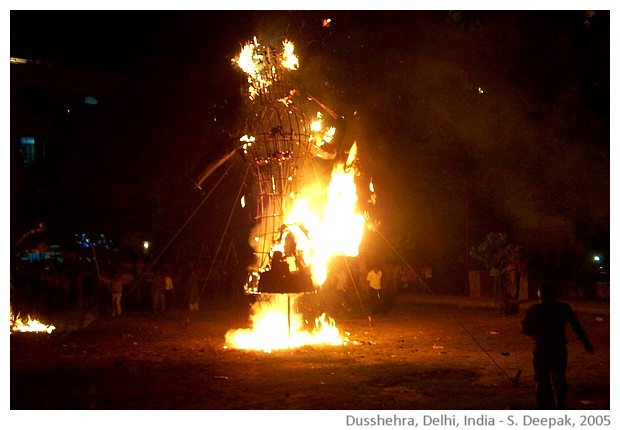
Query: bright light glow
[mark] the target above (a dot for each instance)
(325, 223)
(335, 228)
(28, 325)
(289, 59)
(597, 258)
(321, 134)
(17, 60)
(261, 63)
(146, 244)
(270, 328)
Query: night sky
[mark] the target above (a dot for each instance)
(461, 118)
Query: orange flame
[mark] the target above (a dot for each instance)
(321, 135)
(274, 328)
(29, 325)
(325, 222)
(337, 228)
(262, 64)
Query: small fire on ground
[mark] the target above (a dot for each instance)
(29, 325)
(271, 329)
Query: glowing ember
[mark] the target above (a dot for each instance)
(270, 328)
(30, 325)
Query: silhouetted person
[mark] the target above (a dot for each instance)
(279, 266)
(158, 292)
(114, 284)
(168, 291)
(545, 322)
(195, 281)
(340, 288)
(427, 272)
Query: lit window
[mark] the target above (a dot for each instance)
(27, 148)
(90, 100)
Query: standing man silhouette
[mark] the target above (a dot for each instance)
(545, 322)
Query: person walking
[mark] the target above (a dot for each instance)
(341, 304)
(194, 283)
(427, 272)
(168, 290)
(374, 279)
(545, 322)
(115, 285)
(158, 292)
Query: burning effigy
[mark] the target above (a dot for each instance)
(300, 223)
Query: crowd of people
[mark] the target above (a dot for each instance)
(51, 286)
(373, 288)
(84, 285)
(108, 287)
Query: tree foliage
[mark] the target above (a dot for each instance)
(495, 251)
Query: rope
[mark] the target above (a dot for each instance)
(219, 246)
(356, 290)
(512, 380)
(156, 259)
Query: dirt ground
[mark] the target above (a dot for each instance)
(428, 353)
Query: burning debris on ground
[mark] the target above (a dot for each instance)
(29, 325)
(143, 361)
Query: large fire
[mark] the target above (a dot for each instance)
(336, 228)
(322, 221)
(275, 327)
(28, 325)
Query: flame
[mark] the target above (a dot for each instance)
(333, 230)
(271, 329)
(289, 59)
(247, 142)
(320, 135)
(263, 64)
(337, 229)
(325, 221)
(30, 325)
